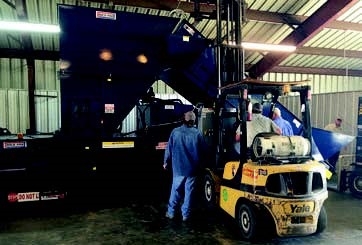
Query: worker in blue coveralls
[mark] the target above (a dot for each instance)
(184, 153)
(283, 124)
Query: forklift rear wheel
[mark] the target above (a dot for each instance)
(322, 220)
(209, 194)
(355, 184)
(246, 218)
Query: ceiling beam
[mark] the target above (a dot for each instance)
(290, 19)
(330, 52)
(317, 71)
(29, 54)
(9, 3)
(330, 11)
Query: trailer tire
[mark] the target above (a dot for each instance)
(322, 220)
(208, 192)
(247, 221)
(355, 183)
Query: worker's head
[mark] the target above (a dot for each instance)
(338, 122)
(257, 108)
(189, 118)
(276, 113)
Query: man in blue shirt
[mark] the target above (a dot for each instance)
(283, 124)
(184, 151)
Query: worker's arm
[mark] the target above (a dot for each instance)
(276, 129)
(168, 152)
(237, 135)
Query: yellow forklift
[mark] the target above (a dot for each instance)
(275, 184)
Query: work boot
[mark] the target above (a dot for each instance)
(169, 216)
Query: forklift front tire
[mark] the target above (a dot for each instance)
(247, 221)
(322, 220)
(208, 191)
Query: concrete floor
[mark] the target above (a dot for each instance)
(104, 227)
(344, 224)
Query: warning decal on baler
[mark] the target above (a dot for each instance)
(23, 197)
(14, 144)
(118, 144)
(105, 15)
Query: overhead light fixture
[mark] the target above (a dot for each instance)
(268, 47)
(263, 46)
(28, 27)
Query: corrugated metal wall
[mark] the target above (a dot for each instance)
(47, 108)
(129, 124)
(18, 110)
(14, 110)
(320, 83)
(3, 108)
(14, 98)
(13, 74)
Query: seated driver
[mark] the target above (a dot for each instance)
(258, 124)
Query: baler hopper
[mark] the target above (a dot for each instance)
(109, 60)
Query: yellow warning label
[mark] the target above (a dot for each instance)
(118, 144)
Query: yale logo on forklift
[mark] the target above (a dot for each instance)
(299, 207)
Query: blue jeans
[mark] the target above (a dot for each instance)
(182, 189)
